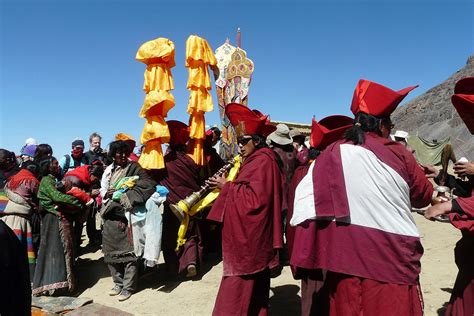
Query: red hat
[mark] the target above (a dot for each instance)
(328, 130)
(246, 121)
(377, 100)
(463, 101)
(179, 132)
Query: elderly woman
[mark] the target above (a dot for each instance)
(120, 200)
(55, 264)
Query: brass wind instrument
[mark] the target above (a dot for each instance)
(179, 209)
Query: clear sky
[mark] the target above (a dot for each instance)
(68, 68)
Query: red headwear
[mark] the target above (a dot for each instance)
(377, 100)
(179, 132)
(328, 130)
(463, 101)
(248, 122)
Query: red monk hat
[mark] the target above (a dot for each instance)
(328, 130)
(463, 101)
(247, 122)
(375, 99)
(179, 132)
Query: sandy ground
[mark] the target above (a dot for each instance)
(156, 296)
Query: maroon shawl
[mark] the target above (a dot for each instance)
(182, 176)
(250, 210)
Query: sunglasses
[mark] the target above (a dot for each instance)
(243, 140)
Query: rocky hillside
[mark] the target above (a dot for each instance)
(432, 116)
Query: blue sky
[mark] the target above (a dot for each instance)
(68, 68)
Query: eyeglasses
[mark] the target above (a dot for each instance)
(243, 140)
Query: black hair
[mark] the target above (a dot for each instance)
(313, 153)
(118, 146)
(216, 131)
(177, 147)
(43, 151)
(299, 139)
(259, 141)
(44, 166)
(363, 122)
(31, 166)
(96, 170)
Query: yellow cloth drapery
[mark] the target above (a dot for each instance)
(199, 56)
(158, 55)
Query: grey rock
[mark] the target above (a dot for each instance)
(432, 115)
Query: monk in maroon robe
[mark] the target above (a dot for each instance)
(250, 210)
(461, 210)
(181, 178)
(323, 133)
(353, 214)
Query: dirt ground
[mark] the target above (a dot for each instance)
(156, 296)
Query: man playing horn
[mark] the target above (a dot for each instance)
(250, 210)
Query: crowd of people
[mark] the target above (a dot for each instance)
(336, 208)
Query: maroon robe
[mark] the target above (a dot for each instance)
(362, 259)
(250, 210)
(311, 280)
(462, 297)
(300, 172)
(181, 179)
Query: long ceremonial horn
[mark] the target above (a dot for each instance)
(187, 203)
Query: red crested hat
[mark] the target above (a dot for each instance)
(375, 99)
(179, 132)
(246, 121)
(463, 101)
(328, 130)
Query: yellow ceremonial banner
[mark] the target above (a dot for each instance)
(158, 55)
(157, 103)
(199, 56)
(152, 156)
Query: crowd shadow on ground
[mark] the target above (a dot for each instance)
(159, 279)
(89, 272)
(285, 300)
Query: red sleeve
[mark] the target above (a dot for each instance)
(421, 189)
(79, 194)
(464, 221)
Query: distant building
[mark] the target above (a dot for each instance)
(304, 129)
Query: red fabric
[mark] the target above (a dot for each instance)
(23, 175)
(133, 157)
(179, 132)
(375, 99)
(328, 130)
(246, 295)
(463, 101)
(349, 295)
(312, 299)
(79, 194)
(462, 297)
(246, 121)
(465, 221)
(299, 174)
(250, 210)
(82, 173)
(357, 250)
